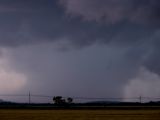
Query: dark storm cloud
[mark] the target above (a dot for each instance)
(118, 22)
(32, 21)
(114, 11)
(129, 27)
(134, 24)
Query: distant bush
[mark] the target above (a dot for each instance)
(59, 100)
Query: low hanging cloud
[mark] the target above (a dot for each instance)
(145, 84)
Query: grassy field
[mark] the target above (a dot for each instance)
(79, 114)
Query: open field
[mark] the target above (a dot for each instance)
(17, 114)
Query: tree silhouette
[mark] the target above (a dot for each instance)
(69, 100)
(58, 100)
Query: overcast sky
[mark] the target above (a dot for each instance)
(80, 48)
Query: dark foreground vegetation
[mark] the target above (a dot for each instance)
(91, 105)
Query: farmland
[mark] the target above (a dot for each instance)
(28, 114)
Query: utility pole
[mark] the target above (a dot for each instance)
(29, 98)
(140, 99)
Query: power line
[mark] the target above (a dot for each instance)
(79, 98)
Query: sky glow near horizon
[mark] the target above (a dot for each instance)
(80, 48)
(10, 80)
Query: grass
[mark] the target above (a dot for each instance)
(79, 114)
